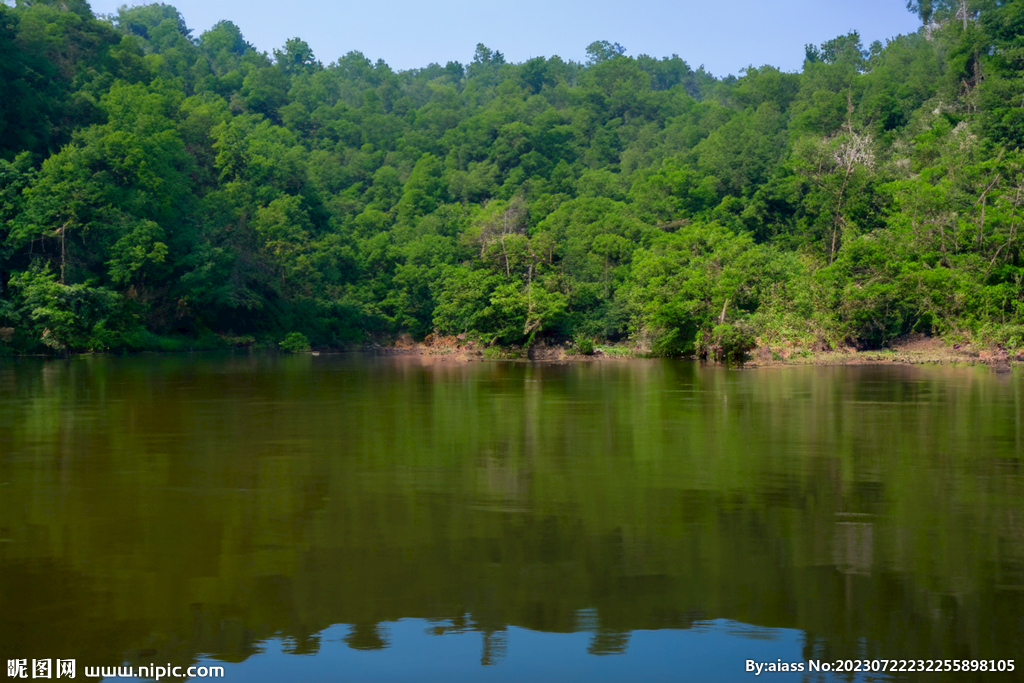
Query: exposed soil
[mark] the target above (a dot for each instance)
(455, 349)
(462, 350)
(913, 350)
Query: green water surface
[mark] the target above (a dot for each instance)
(248, 510)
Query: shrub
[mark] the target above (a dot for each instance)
(731, 343)
(1009, 336)
(583, 345)
(295, 342)
(69, 318)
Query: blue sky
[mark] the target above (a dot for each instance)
(723, 36)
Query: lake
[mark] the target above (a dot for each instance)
(357, 518)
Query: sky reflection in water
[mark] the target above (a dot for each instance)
(710, 651)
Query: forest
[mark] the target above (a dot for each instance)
(166, 191)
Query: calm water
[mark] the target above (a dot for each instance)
(345, 518)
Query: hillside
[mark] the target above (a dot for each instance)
(160, 190)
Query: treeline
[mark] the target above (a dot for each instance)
(159, 190)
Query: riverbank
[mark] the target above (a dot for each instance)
(911, 350)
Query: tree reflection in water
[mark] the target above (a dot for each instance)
(155, 509)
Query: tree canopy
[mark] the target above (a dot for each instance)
(157, 186)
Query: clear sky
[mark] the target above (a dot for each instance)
(724, 36)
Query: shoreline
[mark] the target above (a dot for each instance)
(914, 350)
(907, 351)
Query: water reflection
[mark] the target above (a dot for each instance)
(663, 655)
(171, 509)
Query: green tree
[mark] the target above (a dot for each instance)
(602, 50)
(296, 58)
(66, 318)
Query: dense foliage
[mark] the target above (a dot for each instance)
(158, 190)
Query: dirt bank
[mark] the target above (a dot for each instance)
(913, 350)
(462, 350)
